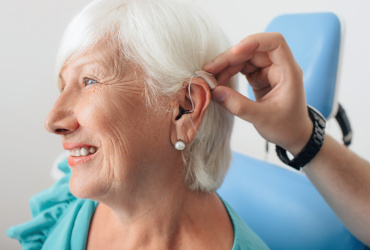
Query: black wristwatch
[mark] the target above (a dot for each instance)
(312, 147)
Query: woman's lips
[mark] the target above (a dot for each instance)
(74, 161)
(79, 153)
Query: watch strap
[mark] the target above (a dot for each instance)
(312, 147)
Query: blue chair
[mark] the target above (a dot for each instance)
(280, 205)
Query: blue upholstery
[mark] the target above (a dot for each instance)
(315, 42)
(283, 207)
(280, 205)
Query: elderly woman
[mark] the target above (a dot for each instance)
(147, 145)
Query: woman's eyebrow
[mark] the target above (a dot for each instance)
(98, 66)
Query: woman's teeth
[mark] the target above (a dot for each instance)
(82, 151)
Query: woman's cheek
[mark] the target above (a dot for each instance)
(116, 115)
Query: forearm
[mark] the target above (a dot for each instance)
(343, 179)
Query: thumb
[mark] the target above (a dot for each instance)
(236, 103)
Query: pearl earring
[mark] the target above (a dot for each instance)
(180, 145)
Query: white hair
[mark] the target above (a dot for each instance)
(169, 40)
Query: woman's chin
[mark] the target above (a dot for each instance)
(85, 189)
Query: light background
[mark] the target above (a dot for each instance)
(29, 35)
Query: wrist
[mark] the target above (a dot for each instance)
(311, 148)
(305, 135)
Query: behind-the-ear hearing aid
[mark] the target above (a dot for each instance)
(208, 78)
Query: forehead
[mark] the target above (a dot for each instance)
(102, 54)
(81, 63)
(102, 59)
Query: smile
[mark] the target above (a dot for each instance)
(84, 151)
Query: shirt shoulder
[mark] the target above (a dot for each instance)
(244, 237)
(54, 212)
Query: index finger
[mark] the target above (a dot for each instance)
(245, 50)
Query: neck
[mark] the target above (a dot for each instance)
(151, 212)
(160, 212)
(162, 224)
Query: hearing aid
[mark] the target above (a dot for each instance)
(208, 78)
(181, 112)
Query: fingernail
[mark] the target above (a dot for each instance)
(218, 95)
(206, 67)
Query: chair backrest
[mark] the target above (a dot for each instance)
(280, 205)
(314, 39)
(283, 207)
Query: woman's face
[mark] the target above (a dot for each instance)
(105, 113)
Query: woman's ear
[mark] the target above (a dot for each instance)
(194, 99)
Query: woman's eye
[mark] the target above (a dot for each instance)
(89, 81)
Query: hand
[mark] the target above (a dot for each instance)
(280, 112)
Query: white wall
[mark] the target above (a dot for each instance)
(29, 35)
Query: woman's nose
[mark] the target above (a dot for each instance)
(62, 120)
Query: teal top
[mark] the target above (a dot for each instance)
(62, 221)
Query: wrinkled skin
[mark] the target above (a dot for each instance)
(136, 174)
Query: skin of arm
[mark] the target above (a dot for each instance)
(343, 179)
(280, 116)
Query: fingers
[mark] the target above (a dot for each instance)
(277, 82)
(263, 42)
(249, 48)
(227, 59)
(268, 44)
(236, 103)
(224, 76)
(246, 68)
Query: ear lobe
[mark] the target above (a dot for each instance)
(195, 104)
